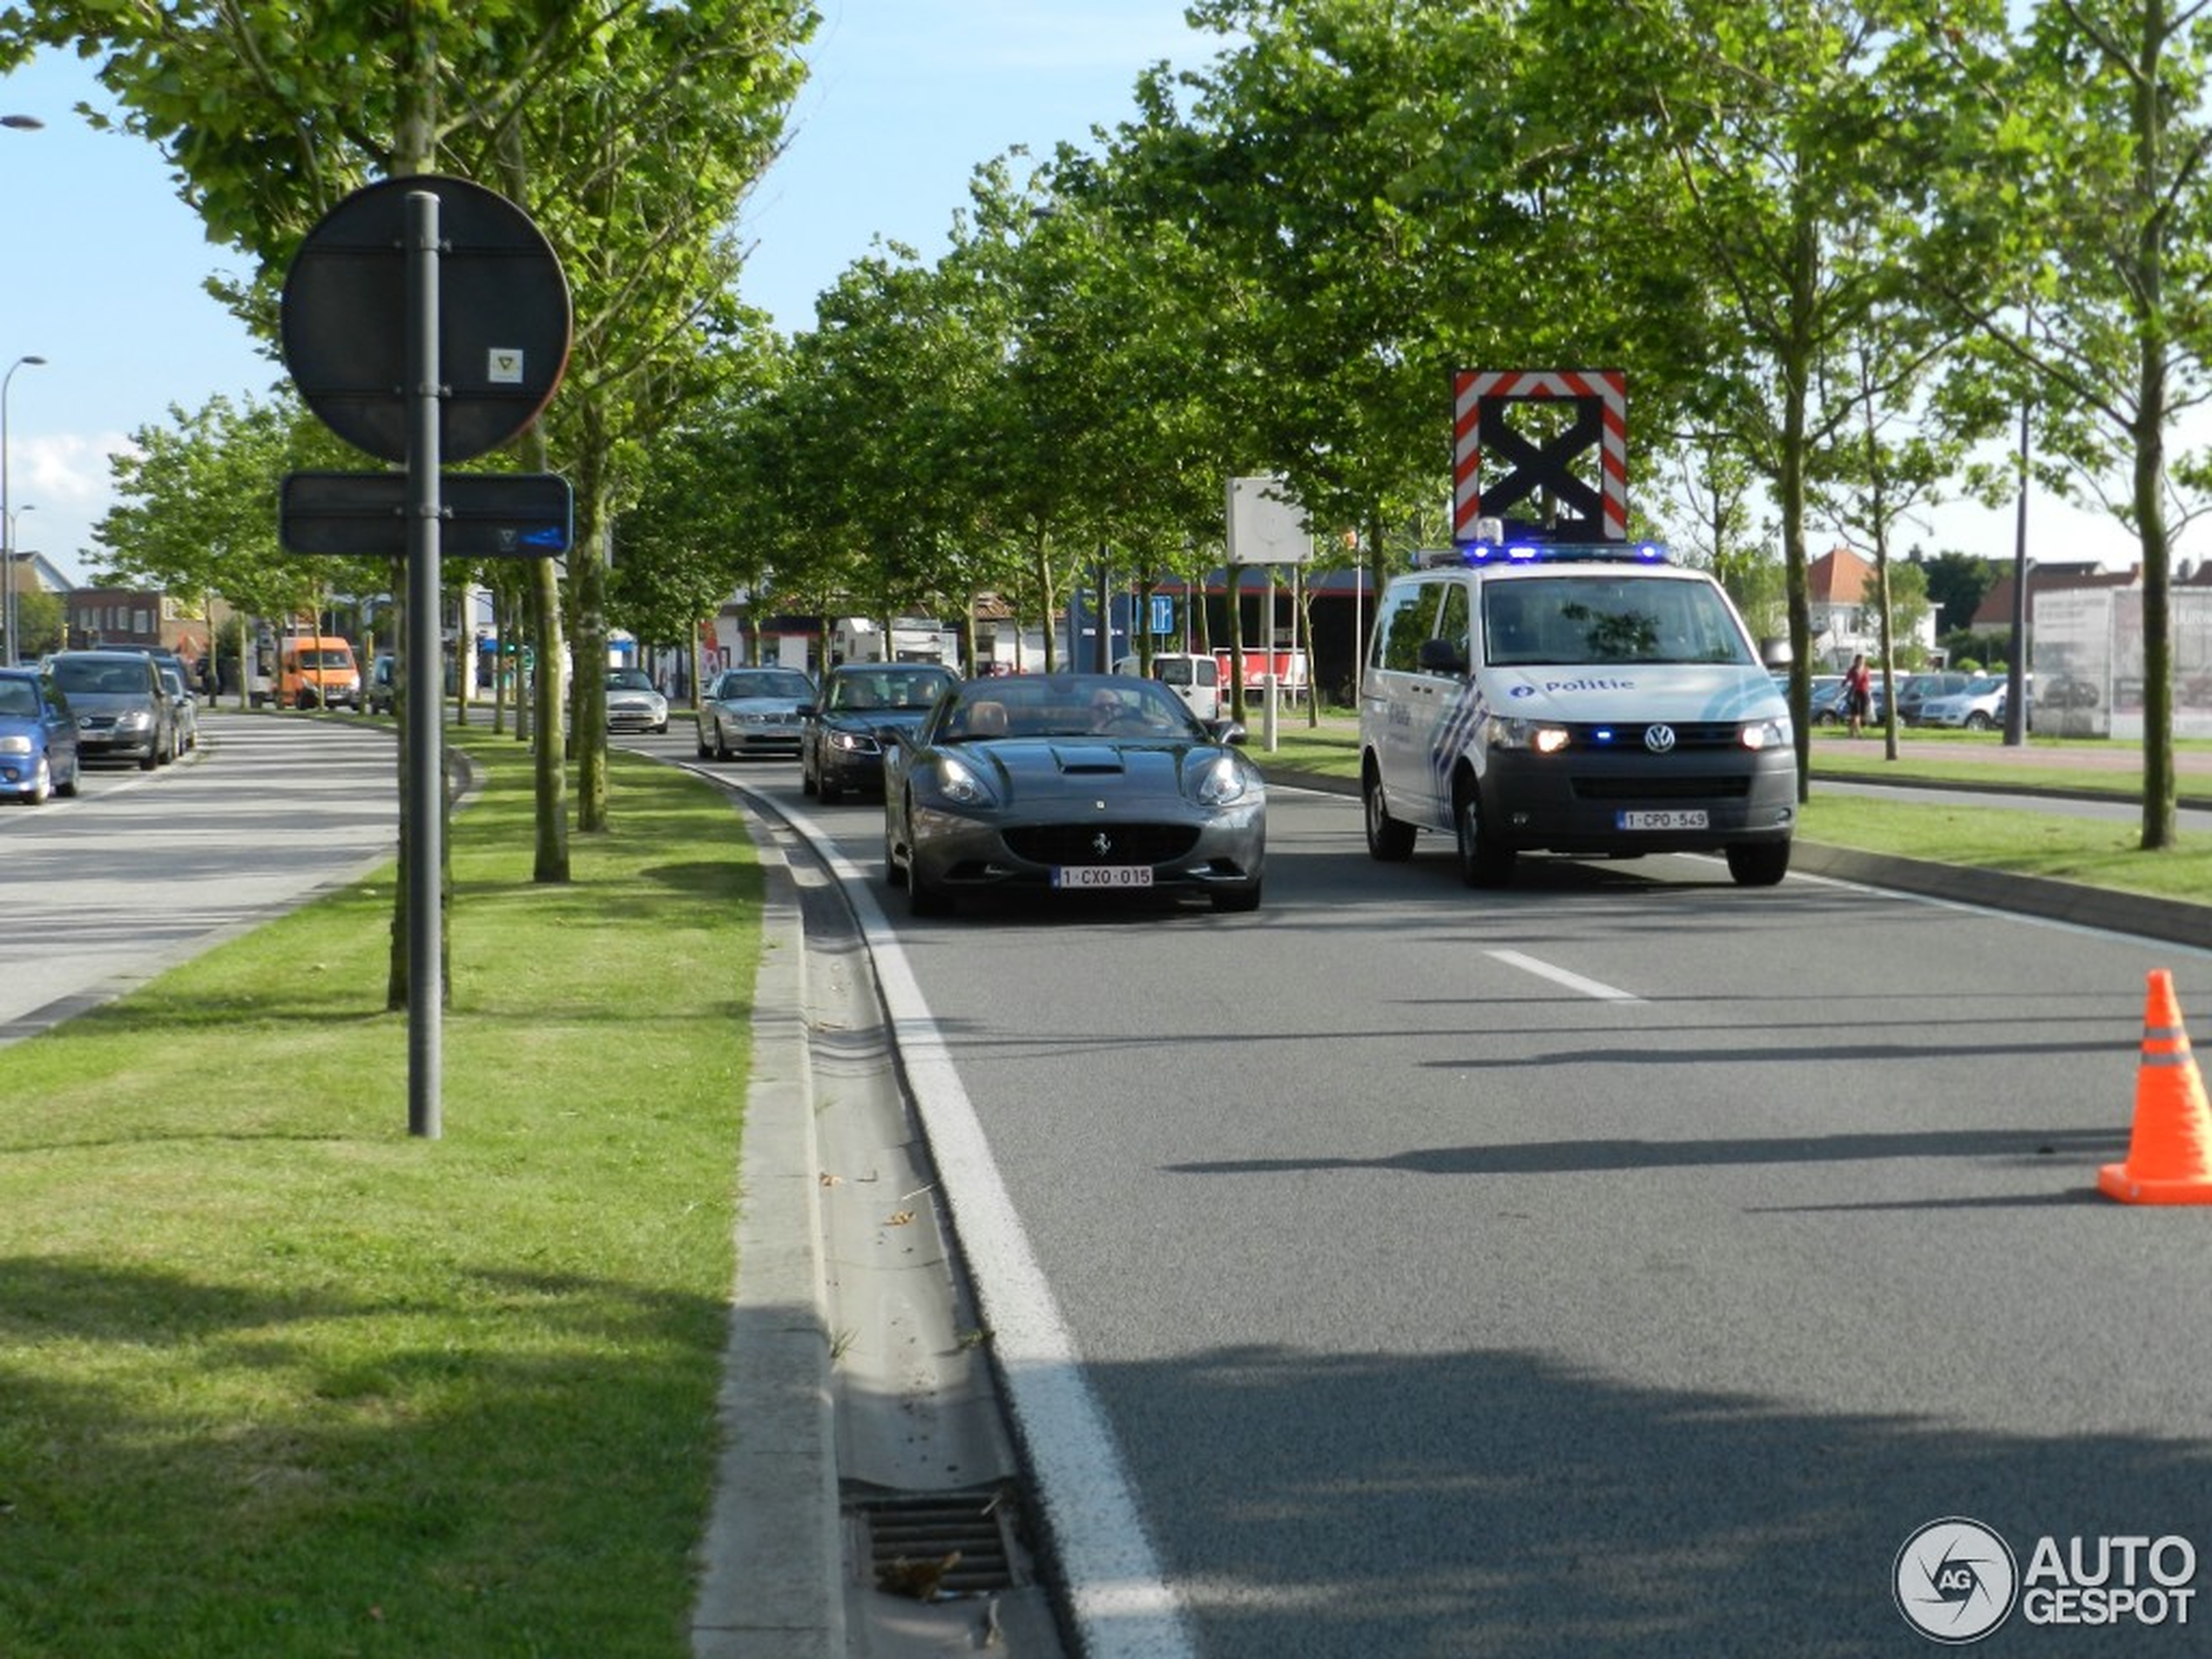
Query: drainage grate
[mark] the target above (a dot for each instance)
(911, 1542)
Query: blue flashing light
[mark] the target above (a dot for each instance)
(1473, 555)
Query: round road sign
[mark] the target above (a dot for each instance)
(503, 317)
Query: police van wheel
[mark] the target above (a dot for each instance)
(1759, 864)
(1389, 840)
(1483, 863)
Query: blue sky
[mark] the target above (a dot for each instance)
(103, 273)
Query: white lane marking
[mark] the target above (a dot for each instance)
(1123, 1605)
(1543, 969)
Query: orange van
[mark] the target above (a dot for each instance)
(317, 671)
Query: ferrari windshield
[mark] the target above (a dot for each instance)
(1114, 707)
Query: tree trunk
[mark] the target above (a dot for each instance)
(551, 769)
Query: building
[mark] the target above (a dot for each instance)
(1844, 620)
(135, 617)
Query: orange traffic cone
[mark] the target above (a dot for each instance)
(2169, 1153)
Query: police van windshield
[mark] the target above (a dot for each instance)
(1629, 619)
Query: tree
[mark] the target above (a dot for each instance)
(628, 129)
(2088, 271)
(1777, 125)
(1957, 584)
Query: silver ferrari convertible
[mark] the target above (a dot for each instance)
(1074, 782)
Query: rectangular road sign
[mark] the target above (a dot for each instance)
(483, 515)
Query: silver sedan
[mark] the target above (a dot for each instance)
(754, 712)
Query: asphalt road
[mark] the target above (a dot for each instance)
(146, 869)
(1624, 1263)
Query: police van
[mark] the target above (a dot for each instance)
(1590, 699)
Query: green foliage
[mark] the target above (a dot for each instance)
(196, 508)
(1957, 584)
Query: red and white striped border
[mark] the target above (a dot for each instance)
(1470, 386)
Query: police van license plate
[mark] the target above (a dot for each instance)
(1681, 818)
(1101, 875)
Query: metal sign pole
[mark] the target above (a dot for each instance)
(425, 679)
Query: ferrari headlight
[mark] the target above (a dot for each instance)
(1534, 736)
(1765, 734)
(1217, 782)
(961, 784)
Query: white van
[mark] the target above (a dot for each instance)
(1193, 676)
(1591, 700)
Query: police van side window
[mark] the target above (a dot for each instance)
(1452, 624)
(1403, 627)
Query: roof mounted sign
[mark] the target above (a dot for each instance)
(1568, 507)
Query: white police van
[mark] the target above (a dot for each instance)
(1586, 699)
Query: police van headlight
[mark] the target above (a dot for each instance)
(1533, 736)
(1765, 734)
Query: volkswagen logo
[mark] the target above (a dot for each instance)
(1101, 844)
(1660, 739)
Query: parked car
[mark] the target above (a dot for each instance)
(1980, 707)
(1072, 782)
(122, 711)
(1824, 706)
(1914, 690)
(634, 703)
(754, 712)
(184, 707)
(862, 708)
(39, 753)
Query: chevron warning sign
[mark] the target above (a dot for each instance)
(1571, 506)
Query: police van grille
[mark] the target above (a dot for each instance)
(1662, 785)
(1076, 843)
(1688, 735)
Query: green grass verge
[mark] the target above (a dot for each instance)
(2023, 842)
(276, 1379)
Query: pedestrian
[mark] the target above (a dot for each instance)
(1858, 691)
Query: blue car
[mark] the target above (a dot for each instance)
(38, 738)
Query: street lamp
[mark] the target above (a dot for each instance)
(7, 520)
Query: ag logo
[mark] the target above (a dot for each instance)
(1955, 1581)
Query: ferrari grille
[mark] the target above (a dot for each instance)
(1081, 843)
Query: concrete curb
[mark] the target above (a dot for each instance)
(2170, 920)
(771, 1560)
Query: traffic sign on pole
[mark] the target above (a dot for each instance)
(482, 515)
(425, 319)
(505, 318)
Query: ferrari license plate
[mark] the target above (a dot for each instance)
(1681, 818)
(1101, 875)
